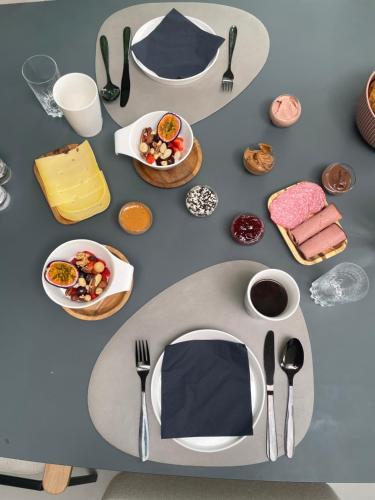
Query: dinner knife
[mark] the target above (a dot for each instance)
(125, 81)
(269, 367)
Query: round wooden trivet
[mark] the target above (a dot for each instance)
(107, 307)
(173, 177)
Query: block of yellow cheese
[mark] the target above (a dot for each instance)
(57, 197)
(73, 183)
(85, 213)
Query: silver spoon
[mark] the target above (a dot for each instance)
(110, 91)
(291, 362)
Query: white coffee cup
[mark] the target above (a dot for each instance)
(121, 277)
(286, 281)
(77, 95)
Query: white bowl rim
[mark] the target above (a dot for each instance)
(185, 155)
(74, 305)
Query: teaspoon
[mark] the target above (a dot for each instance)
(291, 362)
(110, 91)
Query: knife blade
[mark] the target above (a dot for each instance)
(125, 81)
(269, 367)
(269, 357)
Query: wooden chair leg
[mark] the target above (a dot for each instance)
(56, 478)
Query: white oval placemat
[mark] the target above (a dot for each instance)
(198, 99)
(211, 298)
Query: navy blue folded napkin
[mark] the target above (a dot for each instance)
(206, 390)
(177, 48)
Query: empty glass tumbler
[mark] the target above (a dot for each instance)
(344, 283)
(5, 172)
(41, 73)
(4, 199)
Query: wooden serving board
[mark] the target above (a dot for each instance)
(292, 247)
(54, 210)
(174, 177)
(107, 307)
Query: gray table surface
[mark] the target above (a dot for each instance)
(321, 51)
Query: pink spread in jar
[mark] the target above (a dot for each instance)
(285, 110)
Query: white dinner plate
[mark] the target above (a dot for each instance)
(257, 384)
(146, 29)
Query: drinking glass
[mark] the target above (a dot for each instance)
(4, 199)
(344, 283)
(41, 73)
(5, 172)
(77, 96)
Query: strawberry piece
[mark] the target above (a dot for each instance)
(106, 274)
(177, 144)
(150, 158)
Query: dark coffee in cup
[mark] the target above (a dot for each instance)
(269, 297)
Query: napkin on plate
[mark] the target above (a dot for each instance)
(206, 390)
(177, 48)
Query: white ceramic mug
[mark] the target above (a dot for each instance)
(77, 95)
(286, 281)
(127, 139)
(120, 280)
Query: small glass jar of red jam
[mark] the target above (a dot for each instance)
(247, 229)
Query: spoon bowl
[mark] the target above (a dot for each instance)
(110, 92)
(292, 358)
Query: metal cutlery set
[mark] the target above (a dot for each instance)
(291, 362)
(110, 92)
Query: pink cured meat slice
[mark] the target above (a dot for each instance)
(327, 239)
(315, 224)
(296, 204)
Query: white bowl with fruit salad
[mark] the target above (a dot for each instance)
(80, 273)
(160, 140)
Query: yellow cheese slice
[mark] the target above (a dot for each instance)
(57, 197)
(84, 199)
(85, 213)
(67, 169)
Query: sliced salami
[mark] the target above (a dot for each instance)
(296, 204)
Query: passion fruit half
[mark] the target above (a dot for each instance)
(169, 127)
(61, 273)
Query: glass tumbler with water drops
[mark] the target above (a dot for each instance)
(4, 199)
(344, 283)
(41, 73)
(5, 172)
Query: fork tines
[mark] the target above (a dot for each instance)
(227, 84)
(142, 353)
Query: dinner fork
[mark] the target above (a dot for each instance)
(228, 77)
(142, 363)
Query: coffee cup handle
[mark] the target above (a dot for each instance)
(122, 141)
(122, 276)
